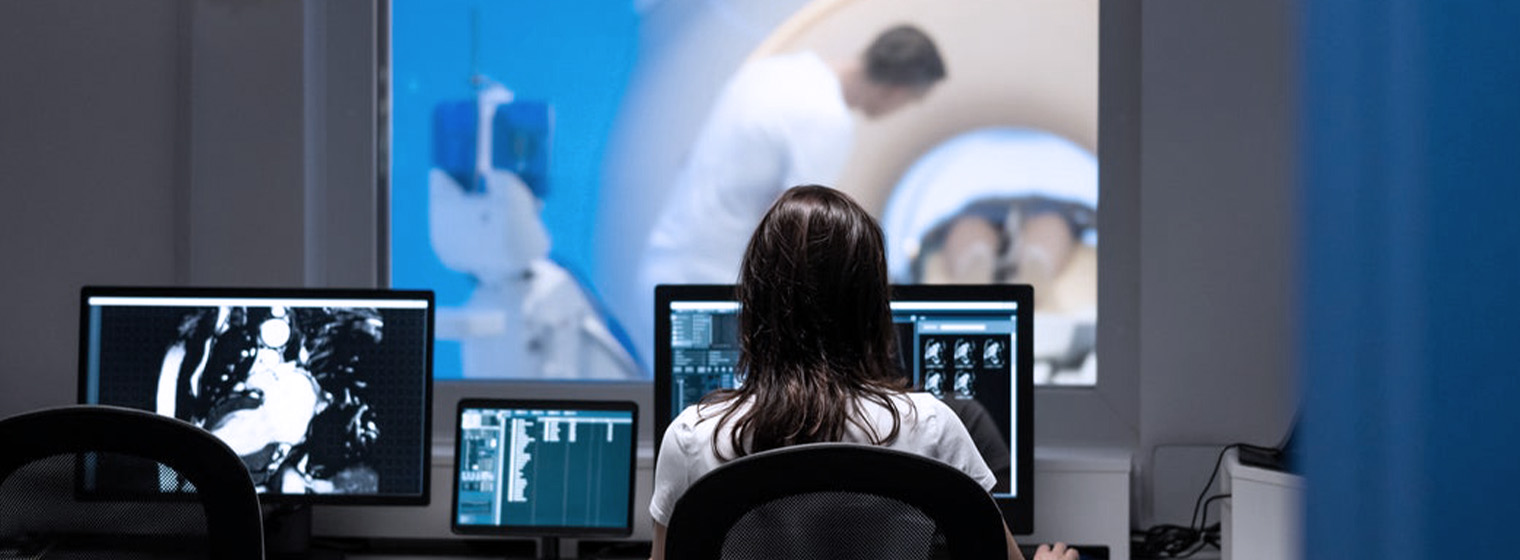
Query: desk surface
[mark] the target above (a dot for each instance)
(361, 549)
(610, 550)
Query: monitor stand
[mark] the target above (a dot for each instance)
(548, 548)
(287, 532)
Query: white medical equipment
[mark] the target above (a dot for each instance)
(528, 317)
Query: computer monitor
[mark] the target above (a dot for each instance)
(970, 346)
(326, 394)
(544, 468)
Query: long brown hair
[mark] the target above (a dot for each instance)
(816, 335)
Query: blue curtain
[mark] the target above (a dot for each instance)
(1410, 277)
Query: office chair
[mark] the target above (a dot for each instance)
(91, 481)
(835, 501)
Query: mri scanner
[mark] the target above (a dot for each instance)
(1017, 116)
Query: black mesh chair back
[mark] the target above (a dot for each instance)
(835, 501)
(106, 482)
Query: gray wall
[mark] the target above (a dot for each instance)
(232, 142)
(1216, 230)
(161, 142)
(90, 129)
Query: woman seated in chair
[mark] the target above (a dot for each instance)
(818, 359)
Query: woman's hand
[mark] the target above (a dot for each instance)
(1058, 551)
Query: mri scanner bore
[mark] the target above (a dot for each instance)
(1001, 205)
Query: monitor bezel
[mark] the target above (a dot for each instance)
(544, 530)
(1017, 511)
(421, 498)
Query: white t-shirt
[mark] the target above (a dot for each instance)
(928, 428)
(780, 121)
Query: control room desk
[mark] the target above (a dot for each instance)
(1082, 496)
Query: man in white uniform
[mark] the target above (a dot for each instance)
(781, 121)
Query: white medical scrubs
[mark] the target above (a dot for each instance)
(779, 122)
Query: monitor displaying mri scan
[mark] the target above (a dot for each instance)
(968, 345)
(325, 394)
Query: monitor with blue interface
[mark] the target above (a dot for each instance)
(325, 394)
(544, 468)
(970, 346)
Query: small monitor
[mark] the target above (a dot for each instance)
(970, 346)
(543, 468)
(325, 394)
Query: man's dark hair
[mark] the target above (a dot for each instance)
(904, 56)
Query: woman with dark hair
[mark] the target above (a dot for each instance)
(818, 356)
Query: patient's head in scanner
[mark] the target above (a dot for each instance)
(285, 388)
(1003, 205)
(1003, 239)
(898, 69)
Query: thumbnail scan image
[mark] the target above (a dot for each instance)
(993, 352)
(965, 384)
(965, 353)
(934, 383)
(934, 353)
(284, 387)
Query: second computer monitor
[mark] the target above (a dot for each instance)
(970, 346)
(544, 468)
